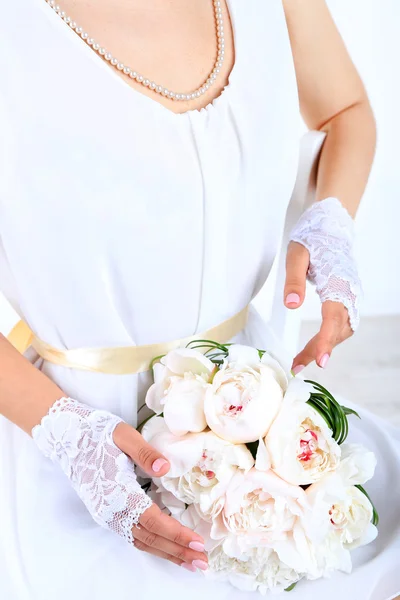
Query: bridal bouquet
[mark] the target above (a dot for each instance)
(259, 467)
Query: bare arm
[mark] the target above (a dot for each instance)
(25, 393)
(332, 99)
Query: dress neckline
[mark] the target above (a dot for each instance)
(147, 100)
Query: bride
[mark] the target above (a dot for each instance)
(133, 214)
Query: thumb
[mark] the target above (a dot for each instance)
(145, 456)
(297, 262)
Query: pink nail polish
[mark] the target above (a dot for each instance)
(324, 361)
(200, 564)
(188, 567)
(198, 546)
(158, 464)
(298, 369)
(292, 299)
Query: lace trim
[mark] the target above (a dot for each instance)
(80, 440)
(327, 231)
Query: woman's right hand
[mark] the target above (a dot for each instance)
(97, 452)
(156, 532)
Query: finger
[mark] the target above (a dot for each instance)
(345, 334)
(334, 329)
(297, 262)
(305, 357)
(159, 543)
(334, 319)
(143, 548)
(133, 444)
(155, 521)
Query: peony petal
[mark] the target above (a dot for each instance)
(242, 457)
(186, 360)
(182, 452)
(160, 372)
(344, 563)
(290, 554)
(153, 427)
(268, 481)
(282, 444)
(256, 418)
(332, 545)
(263, 461)
(234, 454)
(243, 355)
(298, 391)
(369, 536)
(175, 506)
(184, 407)
(154, 397)
(279, 371)
(357, 465)
(191, 519)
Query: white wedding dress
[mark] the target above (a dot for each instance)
(123, 223)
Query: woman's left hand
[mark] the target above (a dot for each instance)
(335, 326)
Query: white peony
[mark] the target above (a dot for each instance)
(181, 379)
(259, 510)
(245, 395)
(339, 521)
(351, 517)
(263, 571)
(202, 465)
(262, 531)
(299, 442)
(357, 464)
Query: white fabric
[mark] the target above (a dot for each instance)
(79, 439)
(327, 231)
(123, 223)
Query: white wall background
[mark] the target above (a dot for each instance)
(371, 30)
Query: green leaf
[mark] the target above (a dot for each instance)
(317, 407)
(291, 587)
(210, 344)
(375, 515)
(332, 412)
(350, 411)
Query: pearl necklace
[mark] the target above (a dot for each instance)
(159, 89)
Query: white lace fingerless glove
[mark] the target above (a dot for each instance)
(80, 440)
(327, 231)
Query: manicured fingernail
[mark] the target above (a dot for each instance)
(198, 546)
(159, 464)
(292, 299)
(188, 567)
(298, 369)
(324, 361)
(200, 564)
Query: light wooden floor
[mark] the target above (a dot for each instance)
(366, 368)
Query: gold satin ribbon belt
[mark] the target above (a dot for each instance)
(125, 360)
